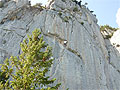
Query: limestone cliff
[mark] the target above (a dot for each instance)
(83, 59)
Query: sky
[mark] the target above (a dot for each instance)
(105, 10)
(118, 17)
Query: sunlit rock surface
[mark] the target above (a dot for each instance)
(83, 59)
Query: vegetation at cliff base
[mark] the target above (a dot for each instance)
(3, 77)
(28, 70)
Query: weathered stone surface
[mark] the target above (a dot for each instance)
(82, 57)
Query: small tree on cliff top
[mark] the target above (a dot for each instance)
(28, 71)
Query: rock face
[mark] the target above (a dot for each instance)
(83, 59)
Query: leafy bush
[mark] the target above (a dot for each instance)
(66, 19)
(63, 0)
(82, 23)
(3, 77)
(1, 4)
(28, 70)
(108, 36)
(75, 9)
(38, 6)
(60, 13)
(106, 27)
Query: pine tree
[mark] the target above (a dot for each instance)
(3, 77)
(28, 70)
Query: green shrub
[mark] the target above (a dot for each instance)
(60, 13)
(3, 77)
(108, 36)
(63, 0)
(75, 9)
(4, 41)
(28, 70)
(39, 6)
(102, 28)
(66, 19)
(1, 4)
(91, 11)
(82, 23)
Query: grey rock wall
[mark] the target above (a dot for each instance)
(82, 58)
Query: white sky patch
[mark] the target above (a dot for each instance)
(118, 17)
(33, 2)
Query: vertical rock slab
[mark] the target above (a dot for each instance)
(80, 52)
